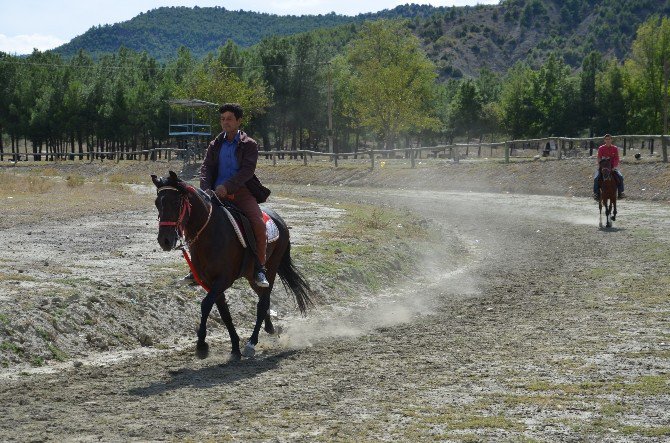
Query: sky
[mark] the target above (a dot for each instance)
(46, 24)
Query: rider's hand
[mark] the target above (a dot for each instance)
(221, 191)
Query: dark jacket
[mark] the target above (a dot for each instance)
(247, 157)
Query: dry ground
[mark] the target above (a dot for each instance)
(520, 320)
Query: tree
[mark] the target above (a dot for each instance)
(517, 106)
(591, 65)
(392, 81)
(611, 102)
(466, 110)
(649, 68)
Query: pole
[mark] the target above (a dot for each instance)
(666, 74)
(330, 111)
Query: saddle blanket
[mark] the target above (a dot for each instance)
(270, 227)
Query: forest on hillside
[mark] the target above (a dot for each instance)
(386, 92)
(459, 40)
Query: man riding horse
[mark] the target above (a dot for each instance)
(229, 172)
(608, 150)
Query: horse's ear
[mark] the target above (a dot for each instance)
(155, 180)
(173, 176)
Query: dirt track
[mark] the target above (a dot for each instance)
(529, 322)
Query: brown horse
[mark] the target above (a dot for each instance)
(608, 192)
(218, 258)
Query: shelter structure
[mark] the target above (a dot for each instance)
(189, 127)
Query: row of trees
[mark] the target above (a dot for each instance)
(383, 89)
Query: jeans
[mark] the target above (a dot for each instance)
(619, 184)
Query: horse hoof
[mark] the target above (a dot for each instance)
(249, 350)
(202, 350)
(235, 356)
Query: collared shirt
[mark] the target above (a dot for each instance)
(611, 152)
(228, 166)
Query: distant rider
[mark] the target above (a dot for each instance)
(608, 150)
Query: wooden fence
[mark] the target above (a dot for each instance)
(556, 147)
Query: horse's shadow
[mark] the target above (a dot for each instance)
(603, 228)
(207, 377)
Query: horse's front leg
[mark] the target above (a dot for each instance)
(202, 348)
(262, 308)
(228, 321)
(608, 214)
(614, 213)
(600, 209)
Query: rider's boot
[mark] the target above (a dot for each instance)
(260, 279)
(596, 196)
(188, 280)
(621, 195)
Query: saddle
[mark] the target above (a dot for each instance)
(241, 223)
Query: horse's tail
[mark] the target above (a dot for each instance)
(294, 281)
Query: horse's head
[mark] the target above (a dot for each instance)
(173, 208)
(605, 168)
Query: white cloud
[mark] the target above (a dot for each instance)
(24, 44)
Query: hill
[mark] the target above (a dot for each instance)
(460, 40)
(160, 32)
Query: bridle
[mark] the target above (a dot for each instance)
(606, 171)
(184, 213)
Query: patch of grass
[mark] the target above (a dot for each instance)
(4, 276)
(649, 385)
(613, 409)
(57, 354)
(11, 347)
(600, 273)
(74, 181)
(646, 431)
(4, 319)
(37, 361)
(12, 184)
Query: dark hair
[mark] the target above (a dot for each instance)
(607, 135)
(235, 108)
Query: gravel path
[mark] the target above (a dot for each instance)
(527, 322)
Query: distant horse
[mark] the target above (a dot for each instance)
(608, 192)
(218, 257)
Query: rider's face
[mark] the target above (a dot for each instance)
(608, 141)
(229, 123)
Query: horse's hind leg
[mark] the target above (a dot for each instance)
(222, 306)
(262, 308)
(614, 213)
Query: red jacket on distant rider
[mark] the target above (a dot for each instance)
(610, 151)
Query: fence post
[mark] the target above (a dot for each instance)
(372, 159)
(336, 156)
(411, 156)
(506, 152)
(304, 159)
(664, 143)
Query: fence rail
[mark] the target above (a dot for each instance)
(559, 147)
